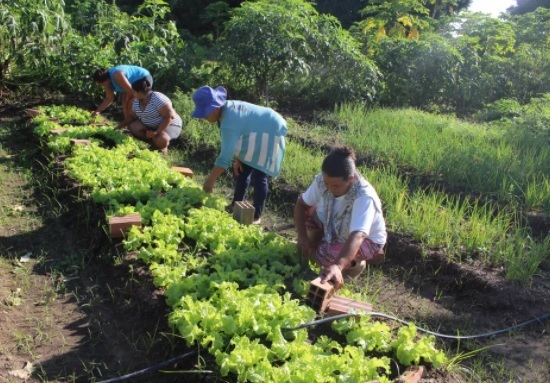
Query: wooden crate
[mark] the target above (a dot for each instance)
(119, 225)
(320, 294)
(184, 171)
(243, 212)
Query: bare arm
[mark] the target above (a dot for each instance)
(122, 81)
(127, 121)
(169, 114)
(208, 185)
(347, 255)
(108, 100)
(300, 209)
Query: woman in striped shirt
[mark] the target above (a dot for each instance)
(153, 119)
(252, 136)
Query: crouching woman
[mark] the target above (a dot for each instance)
(339, 220)
(153, 118)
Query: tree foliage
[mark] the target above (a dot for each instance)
(29, 31)
(287, 41)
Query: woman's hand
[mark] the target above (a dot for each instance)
(237, 166)
(333, 274)
(208, 185)
(151, 133)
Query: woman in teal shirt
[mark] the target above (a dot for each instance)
(252, 136)
(119, 79)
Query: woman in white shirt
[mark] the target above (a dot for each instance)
(153, 119)
(339, 220)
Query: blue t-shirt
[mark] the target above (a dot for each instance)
(254, 134)
(132, 73)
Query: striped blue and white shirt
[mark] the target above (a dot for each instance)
(254, 134)
(150, 116)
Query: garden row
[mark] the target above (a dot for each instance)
(228, 285)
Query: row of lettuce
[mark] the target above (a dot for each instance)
(228, 285)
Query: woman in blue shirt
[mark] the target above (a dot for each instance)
(119, 79)
(252, 136)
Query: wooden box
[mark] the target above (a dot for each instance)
(243, 212)
(184, 171)
(119, 225)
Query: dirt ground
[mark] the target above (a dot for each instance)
(75, 308)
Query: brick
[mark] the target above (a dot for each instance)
(340, 305)
(119, 225)
(184, 171)
(412, 374)
(76, 141)
(320, 294)
(243, 212)
(57, 132)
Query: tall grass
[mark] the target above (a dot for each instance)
(507, 163)
(437, 220)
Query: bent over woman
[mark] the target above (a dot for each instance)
(119, 79)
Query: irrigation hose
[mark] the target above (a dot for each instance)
(439, 335)
(332, 319)
(150, 369)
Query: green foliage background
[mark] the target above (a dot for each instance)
(428, 54)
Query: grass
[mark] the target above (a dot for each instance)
(499, 160)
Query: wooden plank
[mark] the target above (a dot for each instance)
(184, 171)
(33, 112)
(76, 141)
(340, 305)
(119, 225)
(57, 132)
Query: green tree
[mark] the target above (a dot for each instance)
(526, 6)
(30, 30)
(275, 42)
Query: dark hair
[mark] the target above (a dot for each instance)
(101, 75)
(340, 162)
(141, 85)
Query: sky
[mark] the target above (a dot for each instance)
(493, 7)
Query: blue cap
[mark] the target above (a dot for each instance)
(207, 99)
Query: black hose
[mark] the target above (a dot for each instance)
(150, 369)
(488, 334)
